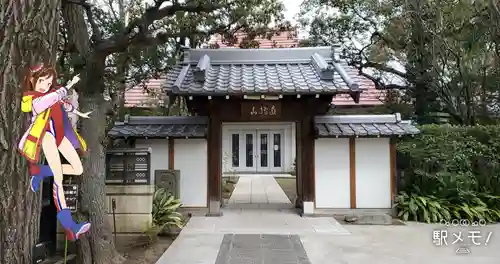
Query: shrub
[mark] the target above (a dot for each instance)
(165, 215)
(455, 167)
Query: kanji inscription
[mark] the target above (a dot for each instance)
(261, 110)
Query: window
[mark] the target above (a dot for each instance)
(235, 150)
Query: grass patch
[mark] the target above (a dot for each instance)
(288, 185)
(228, 185)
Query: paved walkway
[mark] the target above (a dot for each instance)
(258, 192)
(247, 236)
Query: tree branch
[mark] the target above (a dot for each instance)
(379, 85)
(120, 42)
(96, 32)
(382, 67)
(120, 45)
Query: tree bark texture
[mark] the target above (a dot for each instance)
(28, 35)
(96, 247)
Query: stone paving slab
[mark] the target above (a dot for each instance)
(257, 190)
(261, 249)
(192, 249)
(263, 222)
(410, 244)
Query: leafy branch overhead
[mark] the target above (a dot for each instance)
(444, 54)
(164, 21)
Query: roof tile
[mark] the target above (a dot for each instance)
(363, 126)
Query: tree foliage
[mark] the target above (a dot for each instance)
(443, 54)
(120, 43)
(456, 167)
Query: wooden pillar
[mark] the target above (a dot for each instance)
(393, 169)
(298, 165)
(171, 154)
(214, 153)
(307, 166)
(352, 171)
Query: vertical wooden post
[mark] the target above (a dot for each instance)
(307, 160)
(393, 169)
(298, 164)
(352, 169)
(171, 154)
(214, 149)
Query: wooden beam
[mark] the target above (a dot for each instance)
(171, 154)
(352, 169)
(393, 169)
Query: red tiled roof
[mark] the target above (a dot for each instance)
(369, 97)
(287, 39)
(151, 94)
(148, 94)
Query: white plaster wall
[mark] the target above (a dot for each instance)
(332, 173)
(373, 182)
(159, 154)
(191, 159)
(289, 147)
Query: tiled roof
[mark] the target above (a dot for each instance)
(286, 39)
(148, 94)
(369, 97)
(326, 126)
(363, 126)
(160, 127)
(260, 71)
(151, 94)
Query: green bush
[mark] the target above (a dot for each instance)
(165, 215)
(457, 168)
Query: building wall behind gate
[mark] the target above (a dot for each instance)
(332, 173)
(289, 134)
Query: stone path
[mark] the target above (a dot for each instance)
(258, 192)
(263, 236)
(260, 221)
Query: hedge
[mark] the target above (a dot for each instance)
(450, 172)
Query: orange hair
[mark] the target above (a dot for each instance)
(36, 72)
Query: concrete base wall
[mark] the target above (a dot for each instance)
(134, 204)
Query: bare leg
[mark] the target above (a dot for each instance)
(75, 164)
(51, 152)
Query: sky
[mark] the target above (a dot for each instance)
(292, 8)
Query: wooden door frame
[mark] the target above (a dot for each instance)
(301, 111)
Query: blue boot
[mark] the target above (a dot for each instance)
(38, 173)
(73, 230)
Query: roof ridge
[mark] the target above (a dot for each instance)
(358, 119)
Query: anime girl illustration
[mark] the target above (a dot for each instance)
(50, 131)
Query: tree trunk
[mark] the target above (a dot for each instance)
(28, 34)
(97, 246)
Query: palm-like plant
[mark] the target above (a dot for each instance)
(165, 215)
